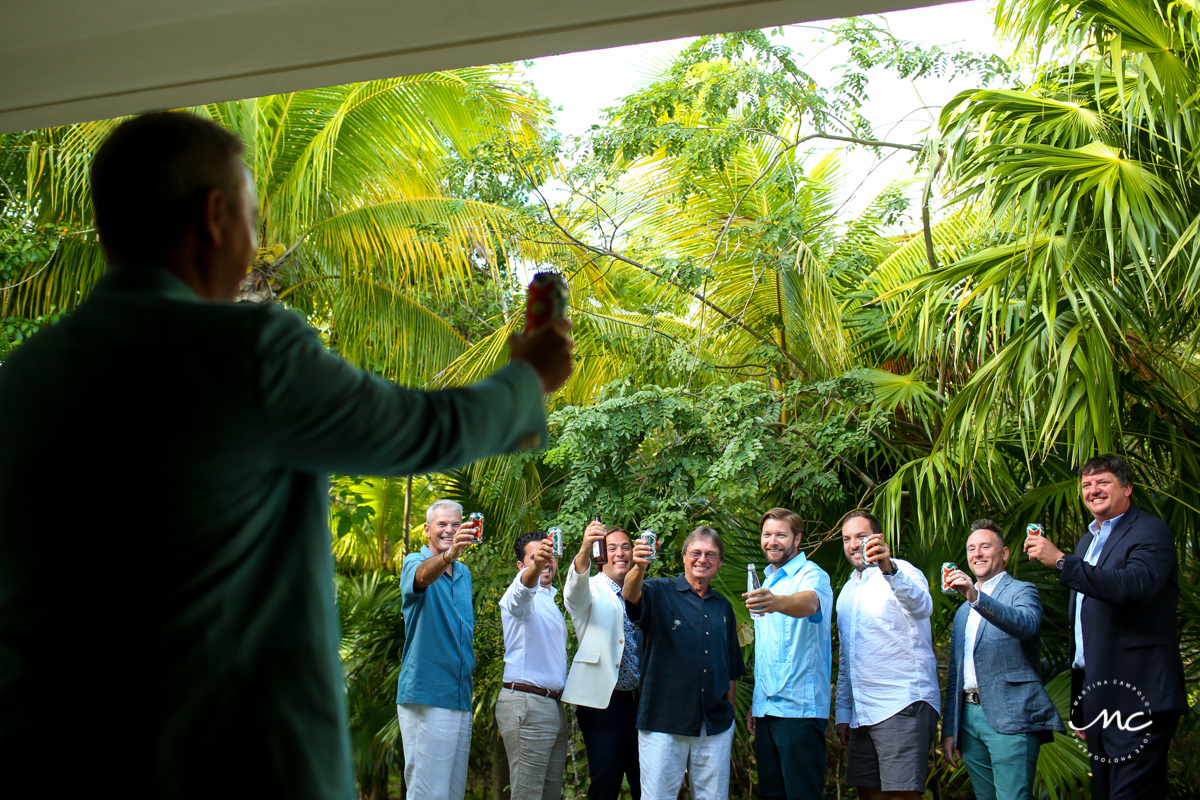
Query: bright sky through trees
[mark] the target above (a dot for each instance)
(581, 85)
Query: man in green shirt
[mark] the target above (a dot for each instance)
(167, 624)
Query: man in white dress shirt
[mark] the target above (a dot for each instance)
(887, 689)
(529, 709)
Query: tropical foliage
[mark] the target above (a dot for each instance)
(741, 343)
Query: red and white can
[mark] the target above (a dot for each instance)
(477, 518)
(947, 568)
(547, 300)
(555, 536)
(1033, 529)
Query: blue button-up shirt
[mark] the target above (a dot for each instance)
(689, 655)
(1099, 537)
(439, 637)
(793, 657)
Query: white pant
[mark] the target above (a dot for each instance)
(665, 756)
(437, 742)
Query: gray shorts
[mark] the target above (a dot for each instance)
(893, 755)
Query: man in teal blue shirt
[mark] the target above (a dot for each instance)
(433, 696)
(792, 658)
(165, 564)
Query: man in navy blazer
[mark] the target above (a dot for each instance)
(997, 712)
(1124, 582)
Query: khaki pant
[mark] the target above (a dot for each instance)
(534, 730)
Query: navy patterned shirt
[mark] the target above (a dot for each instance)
(689, 655)
(627, 673)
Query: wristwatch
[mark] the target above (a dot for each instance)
(890, 572)
(1058, 565)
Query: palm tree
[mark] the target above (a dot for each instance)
(355, 223)
(1070, 329)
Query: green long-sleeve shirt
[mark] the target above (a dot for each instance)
(167, 623)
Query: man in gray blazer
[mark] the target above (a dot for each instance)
(997, 712)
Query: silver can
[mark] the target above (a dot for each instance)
(650, 538)
(556, 541)
(477, 518)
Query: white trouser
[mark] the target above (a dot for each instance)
(665, 756)
(437, 742)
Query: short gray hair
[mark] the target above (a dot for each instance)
(705, 532)
(441, 504)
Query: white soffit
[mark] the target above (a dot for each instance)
(64, 61)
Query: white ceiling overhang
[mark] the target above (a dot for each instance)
(65, 61)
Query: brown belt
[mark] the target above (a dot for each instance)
(524, 687)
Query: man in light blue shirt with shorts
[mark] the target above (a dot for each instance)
(792, 659)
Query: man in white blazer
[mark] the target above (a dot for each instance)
(603, 679)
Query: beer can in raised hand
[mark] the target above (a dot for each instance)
(947, 568)
(650, 539)
(477, 518)
(1033, 529)
(864, 554)
(556, 541)
(547, 300)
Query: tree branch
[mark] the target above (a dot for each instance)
(926, 195)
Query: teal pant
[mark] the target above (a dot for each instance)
(1001, 765)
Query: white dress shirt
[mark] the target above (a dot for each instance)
(970, 682)
(535, 636)
(1100, 533)
(886, 660)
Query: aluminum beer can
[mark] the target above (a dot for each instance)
(547, 300)
(477, 518)
(556, 541)
(947, 568)
(1033, 529)
(650, 538)
(864, 555)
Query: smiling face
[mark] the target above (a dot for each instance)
(620, 557)
(1104, 495)
(986, 554)
(778, 542)
(701, 560)
(854, 532)
(441, 528)
(528, 563)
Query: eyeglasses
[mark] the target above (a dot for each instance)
(709, 555)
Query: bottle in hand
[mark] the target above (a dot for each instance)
(600, 548)
(753, 583)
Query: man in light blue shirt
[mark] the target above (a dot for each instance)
(792, 659)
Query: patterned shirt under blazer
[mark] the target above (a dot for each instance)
(1007, 663)
(599, 619)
